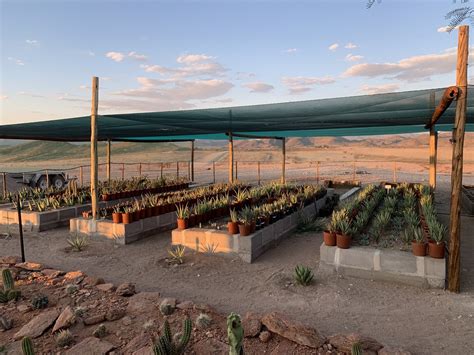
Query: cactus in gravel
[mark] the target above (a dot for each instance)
(8, 283)
(11, 295)
(356, 349)
(203, 320)
(27, 346)
(166, 308)
(166, 345)
(5, 323)
(3, 297)
(235, 334)
(40, 301)
(100, 331)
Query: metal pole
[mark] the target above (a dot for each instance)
(236, 170)
(214, 172)
(94, 157)
(161, 170)
(189, 170)
(317, 172)
(231, 158)
(20, 226)
(177, 170)
(140, 169)
(108, 160)
(4, 179)
(123, 171)
(283, 163)
(81, 176)
(192, 160)
(395, 172)
(47, 178)
(433, 146)
(354, 171)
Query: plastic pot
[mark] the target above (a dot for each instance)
(183, 223)
(116, 217)
(127, 218)
(329, 238)
(245, 229)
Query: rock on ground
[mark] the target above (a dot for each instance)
(344, 342)
(98, 318)
(126, 289)
(91, 345)
(65, 319)
(210, 346)
(392, 351)
(291, 330)
(251, 324)
(265, 336)
(143, 302)
(139, 342)
(37, 326)
(30, 266)
(106, 287)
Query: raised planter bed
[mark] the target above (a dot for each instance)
(383, 264)
(123, 233)
(468, 199)
(250, 247)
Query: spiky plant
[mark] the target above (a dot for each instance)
(40, 301)
(27, 346)
(203, 320)
(100, 331)
(8, 283)
(5, 323)
(234, 217)
(177, 254)
(182, 211)
(166, 344)
(166, 308)
(303, 275)
(356, 349)
(78, 243)
(235, 334)
(64, 338)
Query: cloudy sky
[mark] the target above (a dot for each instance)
(168, 55)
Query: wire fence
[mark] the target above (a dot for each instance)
(365, 171)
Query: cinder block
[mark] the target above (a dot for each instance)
(177, 237)
(250, 243)
(327, 253)
(221, 241)
(67, 213)
(150, 223)
(118, 230)
(435, 268)
(48, 216)
(267, 234)
(397, 262)
(193, 237)
(105, 228)
(133, 228)
(358, 258)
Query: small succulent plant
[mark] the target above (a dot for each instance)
(64, 338)
(40, 301)
(303, 275)
(100, 331)
(203, 320)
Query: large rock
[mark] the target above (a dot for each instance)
(98, 318)
(30, 266)
(392, 351)
(210, 346)
(139, 342)
(146, 350)
(93, 281)
(115, 314)
(65, 319)
(291, 330)
(344, 342)
(91, 345)
(37, 326)
(10, 260)
(251, 324)
(108, 287)
(126, 289)
(52, 273)
(143, 302)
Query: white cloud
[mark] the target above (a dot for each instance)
(350, 45)
(137, 56)
(446, 28)
(379, 89)
(409, 69)
(24, 93)
(333, 46)
(300, 84)
(193, 58)
(115, 56)
(16, 61)
(32, 42)
(291, 50)
(3, 97)
(353, 58)
(258, 87)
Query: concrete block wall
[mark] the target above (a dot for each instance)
(384, 264)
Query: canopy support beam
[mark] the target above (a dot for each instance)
(192, 160)
(433, 146)
(94, 157)
(108, 159)
(231, 158)
(454, 266)
(283, 161)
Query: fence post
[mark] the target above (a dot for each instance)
(258, 172)
(4, 178)
(123, 171)
(214, 172)
(22, 246)
(189, 170)
(395, 172)
(81, 176)
(354, 171)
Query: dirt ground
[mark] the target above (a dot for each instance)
(423, 321)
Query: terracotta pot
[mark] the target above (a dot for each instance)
(419, 249)
(183, 223)
(329, 238)
(233, 227)
(155, 210)
(142, 213)
(116, 217)
(343, 241)
(436, 250)
(105, 197)
(127, 218)
(245, 229)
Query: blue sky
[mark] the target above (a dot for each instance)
(167, 55)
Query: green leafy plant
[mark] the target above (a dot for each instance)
(166, 344)
(182, 211)
(166, 308)
(40, 301)
(418, 235)
(100, 331)
(9, 293)
(78, 243)
(303, 275)
(7, 277)
(438, 232)
(177, 254)
(234, 217)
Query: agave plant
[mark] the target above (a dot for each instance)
(438, 232)
(182, 211)
(303, 275)
(234, 217)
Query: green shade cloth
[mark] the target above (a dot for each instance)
(392, 113)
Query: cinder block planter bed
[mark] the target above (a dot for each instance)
(43, 210)
(389, 233)
(269, 219)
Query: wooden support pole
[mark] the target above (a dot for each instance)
(189, 170)
(177, 170)
(4, 184)
(108, 160)
(395, 172)
(231, 158)
(81, 175)
(214, 172)
(258, 172)
(192, 160)
(236, 170)
(123, 171)
(433, 146)
(317, 172)
(354, 171)
(161, 170)
(47, 178)
(283, 161)
(94, 157)
(454, 263)
(140, 169)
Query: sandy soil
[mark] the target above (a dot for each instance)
(422, 321)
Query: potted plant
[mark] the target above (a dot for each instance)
(127, 215)
(329, 234)
(233, 226)
(436, 245)
(343, 236)
(182, 212)
(418, 245)
(117, 214)
(245, 219)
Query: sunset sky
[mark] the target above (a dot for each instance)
(168, 55)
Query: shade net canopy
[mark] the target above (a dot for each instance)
(391, 113)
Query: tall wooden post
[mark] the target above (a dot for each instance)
(81, 175)
(140, 169)
(177, 169)
(192, 160)
(433, 145)
(123, 171)
(258, 172)
(454, 282)
(94, 158)
(214, 172)
(395, 172)
(236, 170)
(231, 158)
(47, 178)
(108, 160)
(283, 162)
(161, 170)
(4, 180)
(317, 172)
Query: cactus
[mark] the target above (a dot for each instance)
(166, 308)
(100, 331)
(166, 345)
(235, 334)
(8, 283)
(5, 323)
(3, 297)
(12, 295)
(27, 346)
(303, 275)
(203, 320)
(40, 301)
(356, 349)
(64, 338)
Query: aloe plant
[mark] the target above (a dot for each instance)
(182, 211)
(234, 217)
(438, 232)
(303, 275)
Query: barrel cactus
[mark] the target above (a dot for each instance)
(8, 283)
(235, 333)
(40, 301)
(166, 344)
(27, 346)
(356, 349)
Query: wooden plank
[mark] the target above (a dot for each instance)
(258, 172)
(192, 160)
(108, 160)
(94, 157)
(4, 184)
(454, 264)
(283, 161)
(231, 158)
